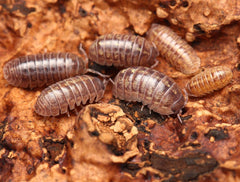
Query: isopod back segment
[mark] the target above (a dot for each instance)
(123, 51)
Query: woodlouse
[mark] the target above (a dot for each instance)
(154, 89)
(33, 71)
(123, 51)
(174, 49)
(209, 80)
(65, 95)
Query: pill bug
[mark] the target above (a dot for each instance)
(154, 89)
(209, 80)
(123, 51)
(174, 49)
(38, 70)
(65, 95)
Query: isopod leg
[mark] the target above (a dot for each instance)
(179, 119)
(185, 96)
(82, 51)
(68, 113)
(110, 79)
(128, 103)
(105, 82)
(98, 73)
(155, 64)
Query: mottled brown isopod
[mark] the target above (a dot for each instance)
(123, 51)
(38, 70)
(154, 89)
(174, 49)
(65, 95)
(209, 80)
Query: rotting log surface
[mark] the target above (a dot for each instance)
(119, 142)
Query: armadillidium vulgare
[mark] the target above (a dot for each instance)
(123, 51)
(174, 49)
(209, 80)
(65, 95)
(154, 89)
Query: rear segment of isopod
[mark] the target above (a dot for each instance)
(154, 89)
(209, 80)
(123, 51)
(65, 95)
(174, 49)
(33, 71)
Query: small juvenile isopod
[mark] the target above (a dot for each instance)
(209, 80)
(65, 95)
(174, 49)
(38, 70)
(154, 89)
(123, 51)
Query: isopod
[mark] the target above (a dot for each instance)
(123, 51)
(65, 95)
(209, 80)
(38, 70)
(174, 49)
(154, 89)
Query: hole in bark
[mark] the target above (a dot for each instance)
(184, 4)
(162, 5)
(62, 9)
(218, 134)
(82, 12)
(194, 135)
(172, 3)
(95, 133)
(238, 67)
(198, 28)
(29, 25)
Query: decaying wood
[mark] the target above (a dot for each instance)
(118, 141)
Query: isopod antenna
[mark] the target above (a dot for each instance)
(83, 52)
